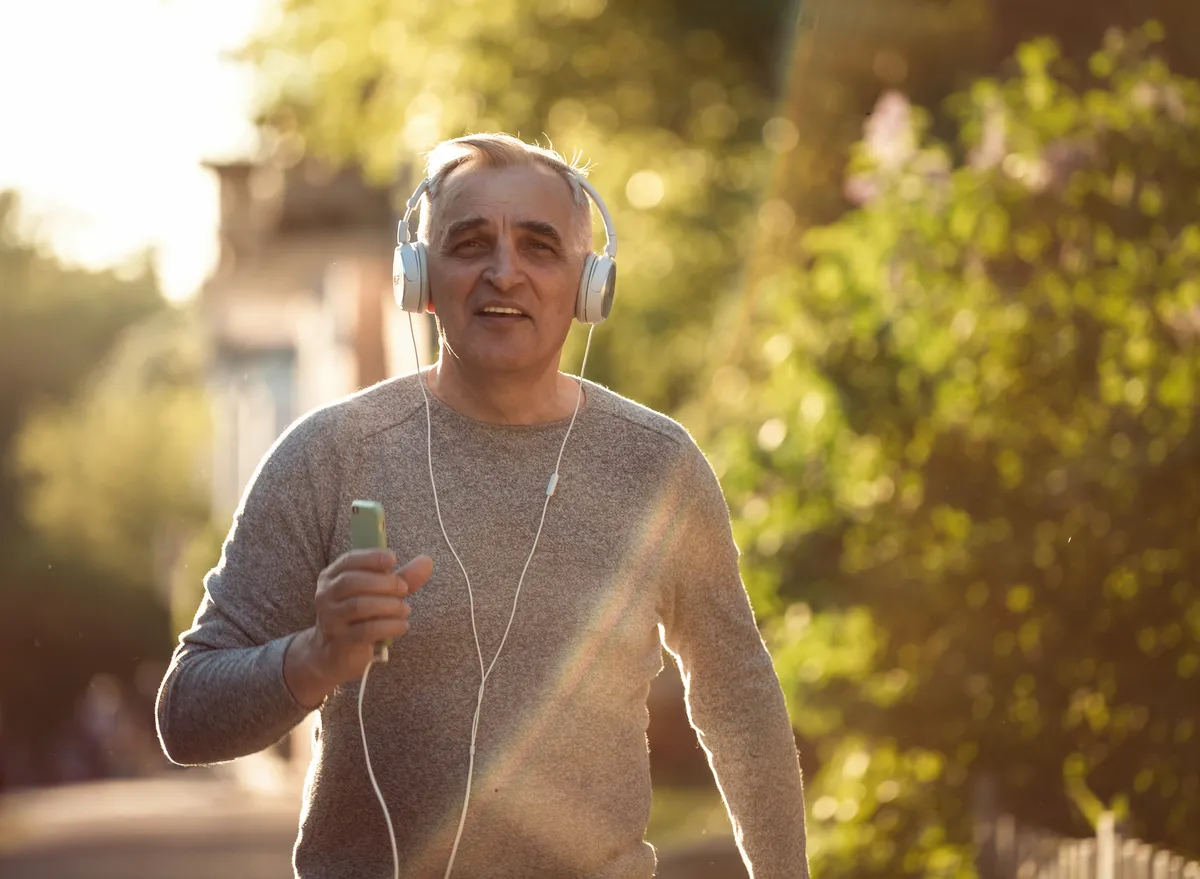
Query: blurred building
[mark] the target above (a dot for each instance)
(298, 312)
(299, 309)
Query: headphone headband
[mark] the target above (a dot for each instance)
(404, 232)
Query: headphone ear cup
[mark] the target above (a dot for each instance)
(596, 288)
(410, 278)
(422, 275)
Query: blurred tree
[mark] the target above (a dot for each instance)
(131, 445)
(847, 53)
(56, 323)
(100, 418)
(967, 486)
(1079, 26)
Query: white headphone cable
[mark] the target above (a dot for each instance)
(370, 772)
(484, 673)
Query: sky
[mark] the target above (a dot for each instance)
(107, 110)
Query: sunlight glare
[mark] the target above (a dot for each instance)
(108, 112)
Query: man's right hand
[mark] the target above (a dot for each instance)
(361, 599)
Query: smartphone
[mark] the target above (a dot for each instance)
(368, 531)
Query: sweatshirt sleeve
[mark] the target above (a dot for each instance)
(224, 695)
(734, 700)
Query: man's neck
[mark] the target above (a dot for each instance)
(504, 399)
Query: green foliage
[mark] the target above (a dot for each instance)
(56, 323)
(130, 445)
(967, 487)
(198, 555)
(680, 816)
(1080, 27)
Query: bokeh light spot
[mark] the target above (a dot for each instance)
(645, 189)
(780, 135)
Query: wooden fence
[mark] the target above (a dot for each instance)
(1007, 850)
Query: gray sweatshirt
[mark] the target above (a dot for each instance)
(636, 553)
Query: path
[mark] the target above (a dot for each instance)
(194, 824)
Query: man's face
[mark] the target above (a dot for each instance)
(505, 239)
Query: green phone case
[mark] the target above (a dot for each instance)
(369, 531)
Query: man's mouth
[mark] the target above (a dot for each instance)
(502, 313)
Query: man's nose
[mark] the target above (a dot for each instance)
(503, 271)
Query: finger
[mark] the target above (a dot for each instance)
(351, 583)
(358, 608)
(372, 631)
(415, 574)
(380, 560)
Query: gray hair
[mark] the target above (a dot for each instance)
(501, 151)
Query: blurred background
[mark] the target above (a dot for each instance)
(921, 276)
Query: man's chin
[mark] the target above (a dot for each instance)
(500, 361)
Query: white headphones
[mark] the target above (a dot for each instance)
(410, 272)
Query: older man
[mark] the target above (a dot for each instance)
(561, 607)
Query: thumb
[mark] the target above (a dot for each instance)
(416, 573)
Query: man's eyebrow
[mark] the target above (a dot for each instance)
(466, 224)
(541, 227)
(471, 223)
